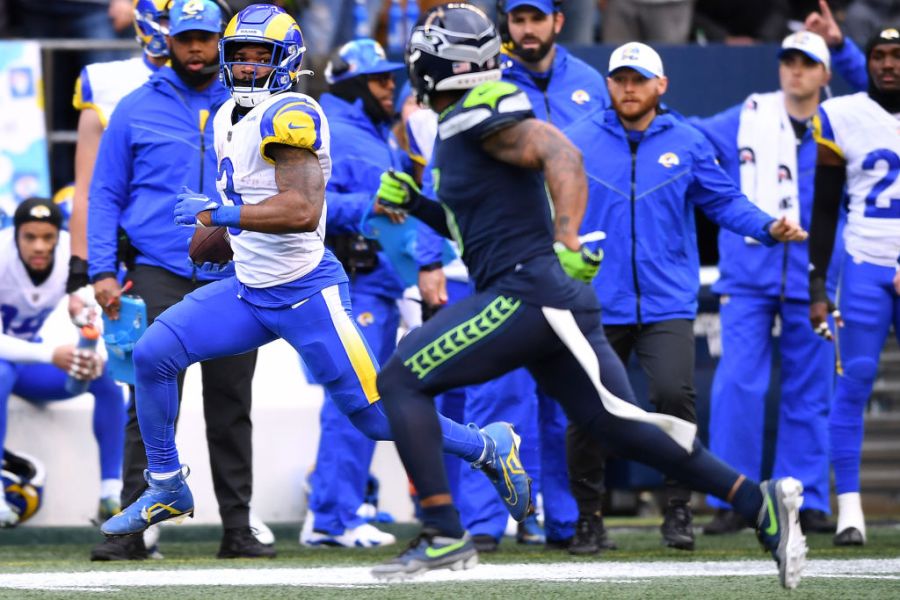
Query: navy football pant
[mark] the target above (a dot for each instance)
(487, 335)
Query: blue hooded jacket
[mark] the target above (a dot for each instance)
(782, 270)
(360, 152)
(645, 201)
(160, 138)
(574, 88)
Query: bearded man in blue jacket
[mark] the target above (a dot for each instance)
(653, 170)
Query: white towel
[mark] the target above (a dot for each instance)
(768, 154)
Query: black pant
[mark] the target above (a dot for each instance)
(226, 409)
(665, 351)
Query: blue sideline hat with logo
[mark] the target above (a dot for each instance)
(640, 57)
(195, 15)
(545, 6)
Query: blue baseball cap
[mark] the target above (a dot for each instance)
(195, 15)
(359, 57)
(545, 6)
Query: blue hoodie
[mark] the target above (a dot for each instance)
(160, 137)
(645, 201)
(360, 152)
(574, 88)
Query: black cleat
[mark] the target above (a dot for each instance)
(590, 536)
(849, 537)
(485, 543)
(816, 521)
(677, 531)
(239, 542)
(725, 521)
(126, 547)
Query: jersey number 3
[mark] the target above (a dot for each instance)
(227, 169)
(892, 210)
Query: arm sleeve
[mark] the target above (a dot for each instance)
(431, 213)
(829, 186)
(721, 200)
(19, 351)
(109, 194)
(850, 63)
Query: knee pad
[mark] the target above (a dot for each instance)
(372, 422)
(159, 351)
(861, 369)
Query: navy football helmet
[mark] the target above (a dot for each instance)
(454, 47)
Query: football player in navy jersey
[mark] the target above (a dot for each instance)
(533, 306)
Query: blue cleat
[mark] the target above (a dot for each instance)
(162, 500)
(427, 552)
(778, 528)
(500, 462)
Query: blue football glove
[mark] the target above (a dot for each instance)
(189, 205)
(581, 264)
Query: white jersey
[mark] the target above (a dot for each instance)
(23, 305)
(859, 130)
(102, 85)
(247, 176)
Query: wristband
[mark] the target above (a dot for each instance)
(229, 216)
(78, 274)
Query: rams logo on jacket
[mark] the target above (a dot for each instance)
(669, 160)
(580, 97)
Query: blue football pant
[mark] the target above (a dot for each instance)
(541, 422)
(869, 304)
(213, 321)
(345, 454)
(738, 402)
(487, 335)
(39, 383)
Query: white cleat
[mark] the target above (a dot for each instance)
(363, 536)
(778, 528)
(261, 531)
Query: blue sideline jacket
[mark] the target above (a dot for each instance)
(360, 152)
(141, 166)
(645, 201)
(747, 268)
(574, 89)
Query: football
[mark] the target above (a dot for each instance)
(210, 244)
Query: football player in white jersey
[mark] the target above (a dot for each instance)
(33, 259)
(273, 150)
(97, 92)
(859, 145)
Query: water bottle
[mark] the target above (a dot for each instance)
(396, 31)
(87, 340)
(361, 27)
(412, 16)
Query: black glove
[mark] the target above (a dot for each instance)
(78, 274)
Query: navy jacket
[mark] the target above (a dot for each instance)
(160, 137)
(644, 201)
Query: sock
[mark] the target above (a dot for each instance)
(164, 476)
(110, 488)
(444, 518)
(464, 441)
(747, 501)
(850, 513)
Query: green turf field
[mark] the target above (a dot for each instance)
(52, 563)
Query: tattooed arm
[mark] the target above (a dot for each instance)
(534, 144)
(297, 206)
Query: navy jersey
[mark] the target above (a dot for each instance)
(498, 213)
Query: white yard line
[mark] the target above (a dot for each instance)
(343, 577)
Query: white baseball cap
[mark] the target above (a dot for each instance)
(811, 44)
(640, 57)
